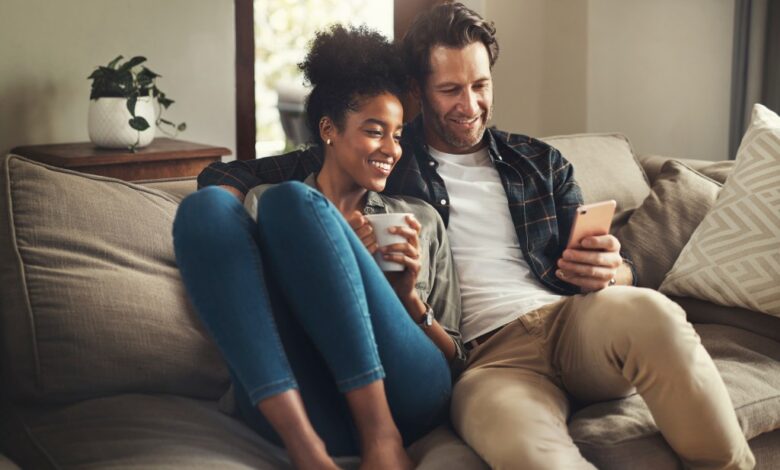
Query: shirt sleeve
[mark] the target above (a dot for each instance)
(239, 174)
(244, 175)
(444, 297)
(567, 198)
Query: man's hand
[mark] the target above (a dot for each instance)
(593, 264)
(235, 192)
(407, 254)
(363, 230)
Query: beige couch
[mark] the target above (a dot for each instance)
(104, 363)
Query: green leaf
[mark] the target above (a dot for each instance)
(138, 123)
(165, 102)
(132, 63)
(112, 64)
(131, 104)
(165, 121)
(182, 127)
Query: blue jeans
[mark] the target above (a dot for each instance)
(296, 301)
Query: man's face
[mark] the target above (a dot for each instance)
(457, 98)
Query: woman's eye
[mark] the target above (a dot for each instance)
(397, 138)
(374, 133)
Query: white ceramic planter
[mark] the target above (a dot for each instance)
(108, 122)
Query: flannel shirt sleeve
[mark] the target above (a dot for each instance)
(239, 174)
(567, 198)
(444, 297)
(244, 175)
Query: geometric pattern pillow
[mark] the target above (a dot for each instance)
(733, 257)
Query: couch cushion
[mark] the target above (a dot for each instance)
(620, 433)
(659, 229)
(701, 311)
(605, 167)
(157, 431)
(91, 302)
(733, 257)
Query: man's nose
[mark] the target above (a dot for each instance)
(469, 102)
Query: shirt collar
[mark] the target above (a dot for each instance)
(374, 202)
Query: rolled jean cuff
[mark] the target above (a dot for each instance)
(361, 380)
(274, 388)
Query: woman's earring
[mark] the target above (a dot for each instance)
(328, 142)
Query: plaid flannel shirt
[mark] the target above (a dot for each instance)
(539, 183)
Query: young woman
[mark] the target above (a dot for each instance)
(329, 355)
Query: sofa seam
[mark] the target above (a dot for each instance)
(107, 179)
(23, 274)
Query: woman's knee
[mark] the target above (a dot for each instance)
(207, 214)
(291, 199)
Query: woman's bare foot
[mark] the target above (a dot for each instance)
(310, 454)
(386, 454)
(287, 415)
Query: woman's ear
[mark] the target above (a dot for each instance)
(327, 130)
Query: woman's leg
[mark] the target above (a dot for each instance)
(217, 254)
(348, 309)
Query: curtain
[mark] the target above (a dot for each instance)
(755, 63)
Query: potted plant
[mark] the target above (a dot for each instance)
(124, 101)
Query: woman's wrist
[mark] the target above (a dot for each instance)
(414, 306)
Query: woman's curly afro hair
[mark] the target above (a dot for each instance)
(344, 65)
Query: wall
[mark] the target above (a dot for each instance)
(659, 72)
(49, 48)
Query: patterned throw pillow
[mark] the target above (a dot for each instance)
(733, 257)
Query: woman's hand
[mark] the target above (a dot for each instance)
(407, 254)
(363, 230)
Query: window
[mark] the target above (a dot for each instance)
(282, 32)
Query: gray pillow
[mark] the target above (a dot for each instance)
(91, 301)
(659, 229)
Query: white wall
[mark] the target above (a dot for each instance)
(48, 48)
(658, 71)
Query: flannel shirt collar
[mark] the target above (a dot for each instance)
(374, 202)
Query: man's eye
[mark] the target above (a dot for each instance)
(397, 138)
(374, 133)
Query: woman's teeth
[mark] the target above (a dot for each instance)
(381, 165)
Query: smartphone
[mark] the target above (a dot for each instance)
(591, 220)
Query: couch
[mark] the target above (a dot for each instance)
(104, 363)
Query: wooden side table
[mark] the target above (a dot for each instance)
(163, 158)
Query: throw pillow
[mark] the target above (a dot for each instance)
(660, 227)
(91, 300)
(733, 257)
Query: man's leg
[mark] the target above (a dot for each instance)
(620, 337)
(508, 407)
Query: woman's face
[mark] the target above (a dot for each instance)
(368, 145)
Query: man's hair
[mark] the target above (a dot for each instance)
(450, 25)
(345, 65)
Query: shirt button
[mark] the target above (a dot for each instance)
(431, 163)
(443, 202)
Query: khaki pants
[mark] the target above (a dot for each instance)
(511, 403)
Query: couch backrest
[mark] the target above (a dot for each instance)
(91, 302)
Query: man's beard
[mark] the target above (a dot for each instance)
(455, 139)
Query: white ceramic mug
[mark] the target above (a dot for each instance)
(381, 223)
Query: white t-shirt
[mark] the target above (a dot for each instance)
(497, 286)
